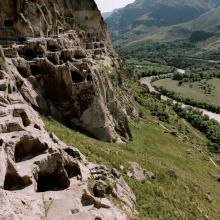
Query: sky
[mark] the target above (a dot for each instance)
(110, 5)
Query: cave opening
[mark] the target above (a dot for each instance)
(76, 77)
(14, 182)
(73, 153)
(52, 181)
(23, 115)
(9, 23)
(72, 170)
(89, 78)
(29, 148)
(23, 71)
(35, 70)
(27, 54)
(79, 55)
(53, 59)
(22, 40)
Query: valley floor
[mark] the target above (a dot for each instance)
(193, 90)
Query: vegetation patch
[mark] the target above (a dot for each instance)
(204, 94)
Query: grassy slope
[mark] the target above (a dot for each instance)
(194, 92)
(157, 151)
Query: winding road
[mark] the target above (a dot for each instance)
(147, 82)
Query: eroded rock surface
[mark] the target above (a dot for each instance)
(64, 57)
(41, 177)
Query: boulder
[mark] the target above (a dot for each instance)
(137, 172)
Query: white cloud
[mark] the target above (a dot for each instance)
(110, 5)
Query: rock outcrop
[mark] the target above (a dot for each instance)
(41, 177)
(64, 57)
(56, 59)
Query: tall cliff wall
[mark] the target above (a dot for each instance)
(60, 49)
(41, 177)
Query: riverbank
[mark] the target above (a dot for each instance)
(146, 81)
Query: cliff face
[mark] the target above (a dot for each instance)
(56, 59)
(41, 177)
(64, 56)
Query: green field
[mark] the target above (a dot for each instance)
(193, 90)
(180, 196)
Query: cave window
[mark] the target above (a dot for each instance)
(27, 149)
(23, 115)
(22, 40)
(72, 170)
(9, 23)
(52, 59)
(14, 182)
(89, 78)
(73, 153)
(22, 71)
(52, 181)
(27, 54)
(96, 46)
(35, 70)
(76, 77)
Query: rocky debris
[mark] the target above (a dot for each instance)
(209, 197)
(139, 174)
(116, 173)
(122, 167)
(66, 45)
(137, 171)
(102, 188)
(150, 175)
(107, 183)
(172, 173)
(189, 151)
(41, 177)
(129, 174)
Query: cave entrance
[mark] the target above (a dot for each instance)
(23, 115)
(29, 148)
(89, 78)
(14, 182)
(52, 181)
(9, 23)
(76, 77)
(35, 70)
(73, 170)
(27, 54)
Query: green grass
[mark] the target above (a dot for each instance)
(157, 151)
(193, 90)
(166, 197)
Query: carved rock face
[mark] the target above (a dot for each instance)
(41, 177)
(60, 48)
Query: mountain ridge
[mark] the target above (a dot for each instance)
(145, 17)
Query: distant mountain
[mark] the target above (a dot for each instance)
(106, 15)
(207, 24)
(148, 16)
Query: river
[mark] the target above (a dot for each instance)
(147, 82)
